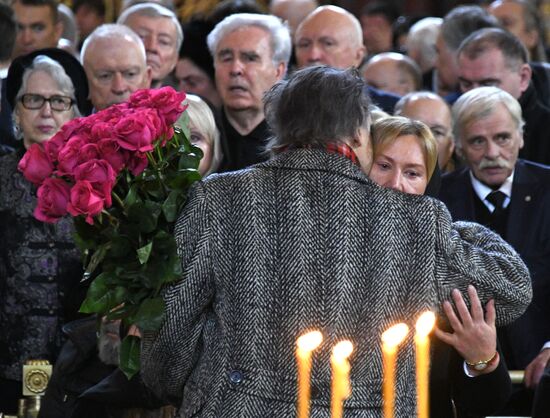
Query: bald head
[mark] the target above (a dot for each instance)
(432, 110)
(292, 11)
(393, 72)
(329, 35)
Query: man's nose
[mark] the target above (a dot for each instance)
(26, 36)
(492, 151)
(315, 54)
(119, 85)
(150, 43)
(236, 67)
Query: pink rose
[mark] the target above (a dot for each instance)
(169, 103)
(136, 132)
(168, 133)
(35, 164)
(54, 145)
(85, 201)
(140, 98)
(137, 162)
(113, 113)
(88, 152)
(100, 175)
(71, 128)
(110, 151)
(69, 156)
(101, 130)
(53, 196)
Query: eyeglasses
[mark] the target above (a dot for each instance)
(36, 101)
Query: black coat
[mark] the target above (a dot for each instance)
(535, 133)
(473, 397)
(528, 231)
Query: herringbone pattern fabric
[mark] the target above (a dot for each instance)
(307, 241)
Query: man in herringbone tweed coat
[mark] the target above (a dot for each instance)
(306, 241)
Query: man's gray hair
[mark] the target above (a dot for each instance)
(280, 36)
(153, 10)
(462, 21)
(113, 31)
(478, 104)
(422, 37)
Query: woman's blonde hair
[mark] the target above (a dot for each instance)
(202, 117)
(385, 131)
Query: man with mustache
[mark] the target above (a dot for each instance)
(251, 53)
(512, 197)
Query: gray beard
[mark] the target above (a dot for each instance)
(108, 346)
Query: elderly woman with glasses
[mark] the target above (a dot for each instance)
(39, 266)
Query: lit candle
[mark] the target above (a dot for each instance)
(424, 326)
(391, 338)
(304, 348)
(341, 386)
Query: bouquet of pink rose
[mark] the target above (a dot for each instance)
(123, 173)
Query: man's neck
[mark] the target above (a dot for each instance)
(244, 121)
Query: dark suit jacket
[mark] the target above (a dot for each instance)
(473, 397)
(528, 231)
(306, 241)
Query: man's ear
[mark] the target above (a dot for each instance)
(360, 53)
(148, 77)
(525, 74)
(280, 70)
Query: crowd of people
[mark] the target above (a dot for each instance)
(356, 171)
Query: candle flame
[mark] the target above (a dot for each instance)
(425, 323)
(343, 349)
(310, 341)
(393, 336)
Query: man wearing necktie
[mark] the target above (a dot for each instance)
(512, 197)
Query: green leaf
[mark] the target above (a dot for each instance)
(165, 244)
(132, 196)
(130, 350)
(97, 257)
(144, 216)
(189, 161)
(150, 314)
(102, 297)
(183, 125)
(120, 247)
(144, 253)
(184, 179)
(170, 207)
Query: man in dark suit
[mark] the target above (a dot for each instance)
(512, 197)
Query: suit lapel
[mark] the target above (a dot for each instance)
(463, 208)
(522, 205)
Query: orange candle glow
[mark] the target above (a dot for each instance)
(341, 385)
(424, 326)
(391, 338)
(304, 349)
